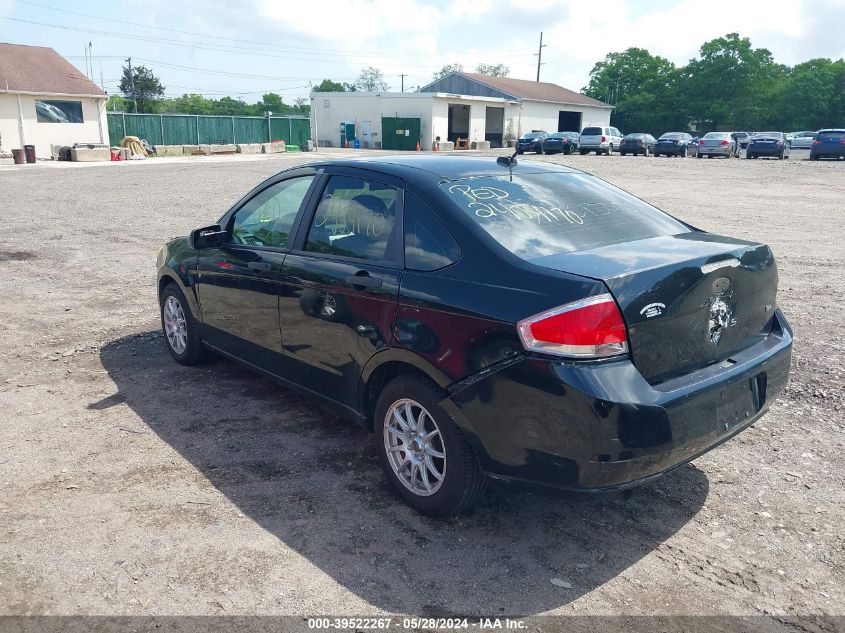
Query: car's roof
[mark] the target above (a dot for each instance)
(445, 167)
(833, 129)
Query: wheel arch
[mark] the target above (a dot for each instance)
(167, 276)
(387, 365)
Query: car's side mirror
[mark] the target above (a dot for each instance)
(207, 237)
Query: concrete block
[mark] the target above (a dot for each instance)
(480, 145)
(168, 150)
(272, 148)
(223, 149)
(190, 150)
(249, 148)
(89, 155)
(447, 146)
(204, 149)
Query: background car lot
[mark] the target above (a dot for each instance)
(133, 485)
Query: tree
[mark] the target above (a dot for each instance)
(143, 86)
(644, 89)
(371, 80)
(497, 70)
(447, 69)
(327, 85)
(272, 102)
(731, 83)
(301, 105)
(116, 103)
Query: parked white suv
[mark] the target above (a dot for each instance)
(601, 140)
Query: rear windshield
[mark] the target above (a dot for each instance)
(542, 214)
(530, 135)
(716, 135)
(672, 135)
(833, 135)
(592, 131)
(556, 135)
(769, 135)
(636, 135)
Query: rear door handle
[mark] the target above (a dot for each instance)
(364, 281)
(259, 267)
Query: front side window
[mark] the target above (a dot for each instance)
(268, 217)
(58, 111)
(428, 244)
(355, 218)
(536, 215)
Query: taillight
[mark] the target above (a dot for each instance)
(603, 139)
(724, 143)
(641, 144)
(842, 141)
(818, 142)
(701, 142)
(591, 328)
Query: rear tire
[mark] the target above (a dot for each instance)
(181, 329)
(623, 153)
(583, 152)
(411, 463)
(699, 155)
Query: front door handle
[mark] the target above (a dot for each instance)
(363, 281)
(259, 267)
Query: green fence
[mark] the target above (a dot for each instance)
(189, 129)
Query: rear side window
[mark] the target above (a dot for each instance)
(592, 131)
(428, 244)
(535, 215)
(355, 218)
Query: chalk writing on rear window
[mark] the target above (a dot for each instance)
(490, 202)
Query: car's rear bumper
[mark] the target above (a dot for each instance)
(765, 151)
(828, 153)
(632, 149)
(599, 426)
(708, 151)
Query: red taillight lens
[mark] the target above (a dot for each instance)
(701, 142)
(724, 143)
(842, 141)
(603, 139)
(640, 143)
(591, 328)
(817, 142)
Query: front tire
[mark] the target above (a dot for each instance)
(425, 456)
(181, 329)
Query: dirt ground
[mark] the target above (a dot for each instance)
(132, 485)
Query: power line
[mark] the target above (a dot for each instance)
(285, 47)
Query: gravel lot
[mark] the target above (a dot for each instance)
(132, 485)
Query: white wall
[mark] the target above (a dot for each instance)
(540, 115)
(93, 129)
(347, 107)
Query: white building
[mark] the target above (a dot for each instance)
(45, 100)
(459, 105)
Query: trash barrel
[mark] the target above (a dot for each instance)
(18, 155)
(29, 151)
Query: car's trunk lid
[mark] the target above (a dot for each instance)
(688, 300)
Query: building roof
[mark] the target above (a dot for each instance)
(41, 70)
(518, 89)
(536, 90)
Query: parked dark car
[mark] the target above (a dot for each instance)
(557, 142)
(829, 143)
(772, 144)
(637, 143)
(480, 326)
(675, 144)
(741, 138)
(531, 142)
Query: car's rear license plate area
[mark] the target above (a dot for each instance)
(741, 402)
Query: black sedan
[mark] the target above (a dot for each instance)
(637, 143)
(531, 142)
(772, 144)
(560, 142)
(828, 144)
(676, 144)
(479, 326)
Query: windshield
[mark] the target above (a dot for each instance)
(592, 131)
(638, 135)
(718, 135)
(806, 134)
(530, 135)
(541, 214)
(769, 135)
(556, 135)
(672, 135)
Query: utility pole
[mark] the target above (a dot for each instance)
(540, 55)
(132, 86)
(403, 82)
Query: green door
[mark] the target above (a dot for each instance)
(400, 133)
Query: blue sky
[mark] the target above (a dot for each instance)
(249, 47)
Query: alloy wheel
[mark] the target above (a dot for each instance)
(414, 447)
(175, 325)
